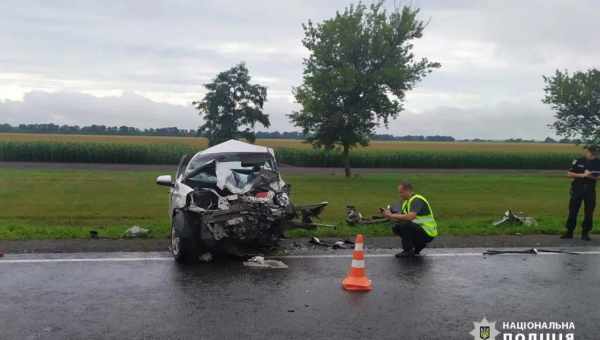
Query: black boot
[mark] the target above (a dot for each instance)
(567, 235)
(586, 237)
(418, 249)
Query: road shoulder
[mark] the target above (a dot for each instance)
(290, 245)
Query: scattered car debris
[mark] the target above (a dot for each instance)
(206, 257)
(310, 211)
(345, 244)
(354, 217)
(260, 262)
(316, 241)
(231, 192)
(339, 245)
(93, 234)
(518, 218)
(136, 232)
(532, 251)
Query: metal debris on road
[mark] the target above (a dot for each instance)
(260, 262)
(518, 218)
(136, 232)
(316, 241)
(532, 251)
(354, 217)
(345, 244)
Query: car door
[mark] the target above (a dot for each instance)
(175, 190)
(183, 162)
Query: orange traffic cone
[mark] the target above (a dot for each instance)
(356, 279)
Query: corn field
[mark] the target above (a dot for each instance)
(103, 152)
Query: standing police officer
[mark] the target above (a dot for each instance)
(584, 172)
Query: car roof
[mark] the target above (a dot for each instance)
(235, 146)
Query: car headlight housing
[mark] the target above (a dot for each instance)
(282, 199)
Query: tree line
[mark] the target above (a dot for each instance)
(97, 130)
(123, 130)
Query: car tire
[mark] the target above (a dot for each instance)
(185, 246)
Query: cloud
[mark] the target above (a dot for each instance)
(132, 62)
(501, 121)
(83, 109)
(504, 120)
(127, 108)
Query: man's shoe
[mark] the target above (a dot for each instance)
(567, 235)
(586, 237)
(406, 253)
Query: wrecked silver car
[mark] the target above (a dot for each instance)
(231, 196)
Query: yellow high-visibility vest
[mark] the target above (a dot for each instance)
(427, 222)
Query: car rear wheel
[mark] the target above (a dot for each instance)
(184, 244)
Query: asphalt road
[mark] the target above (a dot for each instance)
(148, 296)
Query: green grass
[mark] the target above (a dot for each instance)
(54, 204)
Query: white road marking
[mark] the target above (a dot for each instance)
(428, 255)
(316, 256)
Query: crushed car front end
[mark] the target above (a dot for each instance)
(233, 194)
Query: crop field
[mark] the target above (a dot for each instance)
(201, 143)
(38, 204)
(168, 150)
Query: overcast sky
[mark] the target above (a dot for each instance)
(142, 63)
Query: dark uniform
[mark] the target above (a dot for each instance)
(582, 190)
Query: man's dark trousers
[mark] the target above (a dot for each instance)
(586, 195)
(413, 236)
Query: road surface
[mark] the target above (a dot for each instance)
(148, 296)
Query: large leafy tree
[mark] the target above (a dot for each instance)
(575, 99)
(232, 106)
(360, 66)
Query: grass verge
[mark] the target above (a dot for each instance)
(56, 204)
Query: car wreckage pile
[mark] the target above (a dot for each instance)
(231, 195)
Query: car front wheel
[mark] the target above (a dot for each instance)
(184, 244)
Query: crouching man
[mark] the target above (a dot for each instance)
(415, 223)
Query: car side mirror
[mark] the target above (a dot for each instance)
(165, 180)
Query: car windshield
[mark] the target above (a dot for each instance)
(238, 175)
(237, 168)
